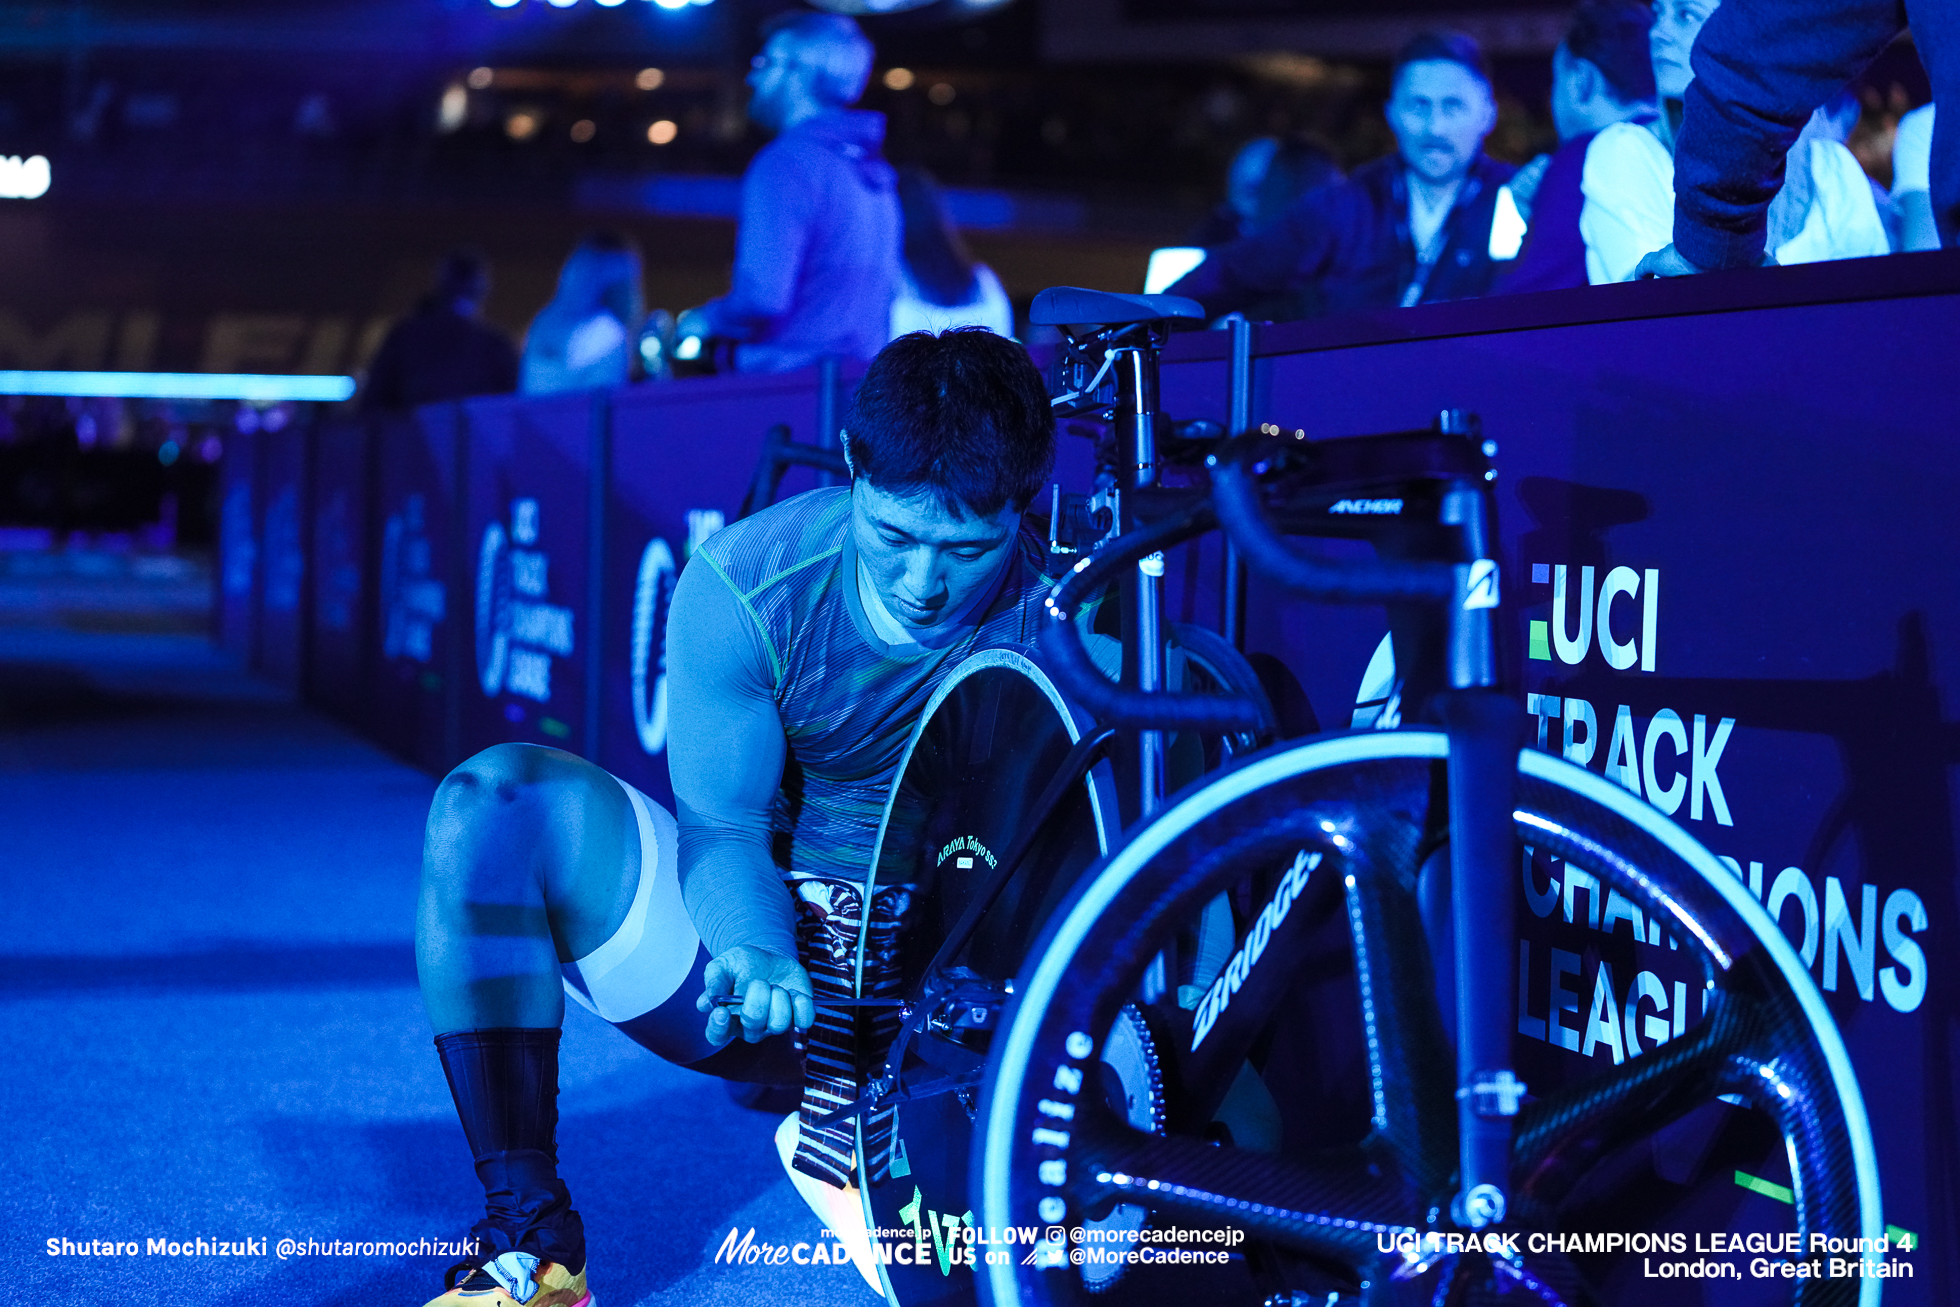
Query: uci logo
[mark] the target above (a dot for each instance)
(1578, 615)
(653, 592)
(413, 600)
(517, 631)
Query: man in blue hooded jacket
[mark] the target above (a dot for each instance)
(816, 258)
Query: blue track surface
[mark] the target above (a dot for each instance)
(208, 989)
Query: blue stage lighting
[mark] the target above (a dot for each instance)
(506, 4)
(24, 179)
(257, 387)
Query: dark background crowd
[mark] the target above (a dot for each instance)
(456, 196)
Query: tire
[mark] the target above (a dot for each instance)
(1309, 1088)
(987, 744)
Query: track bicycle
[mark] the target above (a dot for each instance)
(1284, 1003)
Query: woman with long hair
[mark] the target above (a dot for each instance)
(943, 286)
(586, 336)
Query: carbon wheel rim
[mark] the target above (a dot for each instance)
(1769, 1032)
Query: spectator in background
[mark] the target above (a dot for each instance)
(1266, 176)
(1831, 213)
(816, 256)
(1233, 216)
(1602, 89)
(1912, 180)
(1761, 70)
(443, 350)
(586, 336)
(941, 285)
(1410, 229)
(1671, 42)
(1828, 207)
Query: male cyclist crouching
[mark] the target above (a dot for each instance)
(803, 643)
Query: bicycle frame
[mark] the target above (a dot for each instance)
(1484, 726)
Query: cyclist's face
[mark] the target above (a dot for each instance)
(1441, 112)
(925, 560)
(1672, 38)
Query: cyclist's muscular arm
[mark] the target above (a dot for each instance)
(725, 753)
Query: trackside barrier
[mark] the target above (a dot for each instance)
(1728, 548)
(476, 569)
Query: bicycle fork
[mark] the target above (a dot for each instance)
(1485, 732)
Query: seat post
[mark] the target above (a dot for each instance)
(1143, 647)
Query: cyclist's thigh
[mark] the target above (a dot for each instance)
(646, 974)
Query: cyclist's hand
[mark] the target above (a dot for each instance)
(775, 993)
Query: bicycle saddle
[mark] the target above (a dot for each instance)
(1068, 305)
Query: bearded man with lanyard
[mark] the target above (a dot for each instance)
(1413, 228)
(803, 643)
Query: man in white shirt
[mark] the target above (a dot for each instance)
(1828, 212)
(1912, 180)
(1587, 224)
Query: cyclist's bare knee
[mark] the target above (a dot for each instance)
(519, 824)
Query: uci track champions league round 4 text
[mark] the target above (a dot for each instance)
(1863, 937)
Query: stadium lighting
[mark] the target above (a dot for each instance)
(259, 388)
(24, 179)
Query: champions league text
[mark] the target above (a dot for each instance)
(1772, 1256)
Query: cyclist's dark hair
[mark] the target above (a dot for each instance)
(1442, 47)
(940, 264)
(963, 413)
(1611, 35)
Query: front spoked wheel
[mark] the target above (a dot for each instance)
(1673, 1044)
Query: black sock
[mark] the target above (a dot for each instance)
(505, 1085)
